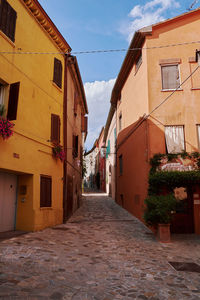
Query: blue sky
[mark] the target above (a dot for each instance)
(106, 24)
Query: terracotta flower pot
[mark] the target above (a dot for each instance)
(163, 233)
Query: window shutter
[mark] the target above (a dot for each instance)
(2, 3)
(3, 15)
(45, 191)
(82, 123)
(75, 146)
(55, 129)
(85, 124)
(170, 77)
(57, 75)
(75, 103)
(12, 24)
(13, 101)
(8, 18)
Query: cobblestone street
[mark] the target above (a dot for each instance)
(101, 253)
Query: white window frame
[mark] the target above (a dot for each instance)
(171, 136)
(198, 135)
(168, 65)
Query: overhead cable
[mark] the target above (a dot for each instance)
(100, 51)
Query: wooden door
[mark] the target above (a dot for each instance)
(8, 194)
(183, 219)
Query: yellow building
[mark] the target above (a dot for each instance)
(35, 91)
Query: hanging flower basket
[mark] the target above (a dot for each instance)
(58, 152)
(6, 128)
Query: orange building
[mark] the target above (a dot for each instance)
(156, 97)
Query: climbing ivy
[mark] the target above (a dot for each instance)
(159, 180)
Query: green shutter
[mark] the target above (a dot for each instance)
(108, 149)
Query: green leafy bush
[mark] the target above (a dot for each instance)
(158, 209)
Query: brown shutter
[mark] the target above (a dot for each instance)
(75, 145)
(2, 3)
(55, 129)
(57, 74)
(13, 101)
(4, 14)
(12, 24)
(75, 103)
(8, 18)
(85, 124)
(82, 123)
(45, 191)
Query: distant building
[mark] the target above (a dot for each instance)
(110, 136)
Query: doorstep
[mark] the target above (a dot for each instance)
(10, 234)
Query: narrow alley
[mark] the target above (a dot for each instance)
(102, 252)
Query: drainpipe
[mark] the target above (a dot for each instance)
(65, 141)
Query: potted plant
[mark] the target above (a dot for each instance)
(5, 128)
(158, 214)
(58, 152)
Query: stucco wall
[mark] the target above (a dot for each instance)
(38, 98)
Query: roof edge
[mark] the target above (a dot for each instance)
(37, 11)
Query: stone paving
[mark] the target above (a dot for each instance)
(101, 253)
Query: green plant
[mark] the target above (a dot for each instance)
(159, 209)
(58, 152)
(2, 110)
(6, 128)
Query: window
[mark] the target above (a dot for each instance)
(45, 191)
(55, 129)
(170, 77)
(2, 94)
(138, 62)
(75, 146)
(8, 18)
(120, 165)
(57, 74)
(108, 149)
(75, 103)
(198, 135)
(115, 134)
(13, 101)
(120, 122)
(174, 136)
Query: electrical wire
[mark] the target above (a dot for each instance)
(101, 51)
(145, 117)
(172, 92)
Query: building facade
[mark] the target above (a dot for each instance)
(110, 136)
(34, 91)
(156, 97)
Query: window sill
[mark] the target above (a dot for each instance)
(172, 90)
(46, 208)
(54, 84)
(7, 39)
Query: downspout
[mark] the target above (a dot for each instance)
(65, 140)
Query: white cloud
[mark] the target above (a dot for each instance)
(98, 99)
(143, 15)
